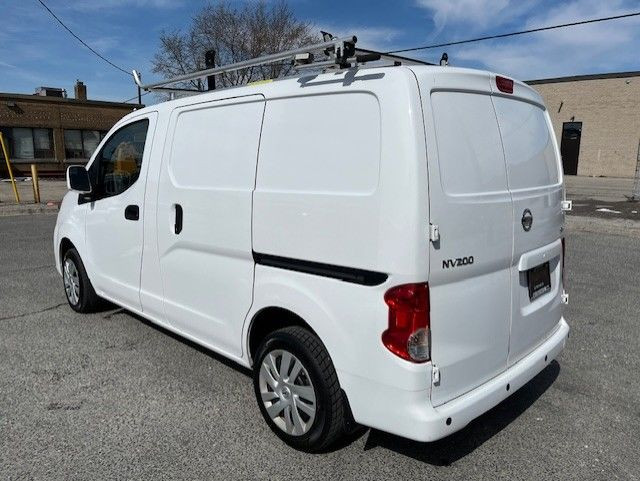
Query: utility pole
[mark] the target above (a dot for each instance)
(210, 62)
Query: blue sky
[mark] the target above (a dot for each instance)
(35, 50)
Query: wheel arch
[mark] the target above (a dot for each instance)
(299, 301)
(64, 246)
(70, 240)
(269, 319)
(70, 229)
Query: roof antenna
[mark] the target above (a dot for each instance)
(444, 60)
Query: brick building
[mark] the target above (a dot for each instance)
(596, 119)
(51, 130)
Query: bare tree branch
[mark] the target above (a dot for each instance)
(235, 34)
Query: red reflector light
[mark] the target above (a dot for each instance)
(408, 333)
(504, 84)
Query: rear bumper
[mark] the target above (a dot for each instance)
(410, 414)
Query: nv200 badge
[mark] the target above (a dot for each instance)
(457, 262)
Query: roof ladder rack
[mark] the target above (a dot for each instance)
(341, 52)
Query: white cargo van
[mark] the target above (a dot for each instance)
(380, 245)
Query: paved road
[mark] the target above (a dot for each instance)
(109, 396)
(602, 197)
(609, 210)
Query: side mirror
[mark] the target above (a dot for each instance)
(78, 179)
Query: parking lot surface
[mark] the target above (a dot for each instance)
(110, 396)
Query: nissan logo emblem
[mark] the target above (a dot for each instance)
(527, 220)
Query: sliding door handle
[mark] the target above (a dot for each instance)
(132, 212)
(177, 228)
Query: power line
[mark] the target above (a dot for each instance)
(82, 41)
(522, 32)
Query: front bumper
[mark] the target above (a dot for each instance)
(409, 413)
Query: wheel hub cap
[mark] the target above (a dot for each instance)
(71, 281)
(287, 392)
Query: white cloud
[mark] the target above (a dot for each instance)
(473, 15)
(105, 44)
(7, 65)
(372, 38)
(21, 75)
(591, 48)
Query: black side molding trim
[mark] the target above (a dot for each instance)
(346, 274)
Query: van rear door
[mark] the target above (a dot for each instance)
(535, 182)
(470, 202)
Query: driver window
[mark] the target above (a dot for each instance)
(117, 165)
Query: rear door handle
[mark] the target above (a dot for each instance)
(177, 228)
(132, 212)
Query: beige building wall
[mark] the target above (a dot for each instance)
(609, 109)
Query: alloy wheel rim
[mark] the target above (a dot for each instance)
(287, 392)
(71, 280)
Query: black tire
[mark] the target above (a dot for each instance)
(87, 299)
(330, 420)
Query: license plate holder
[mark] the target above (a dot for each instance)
(539, 281)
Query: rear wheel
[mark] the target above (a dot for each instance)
(297, 389)
(77, 286)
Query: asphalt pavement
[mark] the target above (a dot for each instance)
(110, 396)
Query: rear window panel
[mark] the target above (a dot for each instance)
(528, 146)
(469, 148)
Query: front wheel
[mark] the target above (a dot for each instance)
(297, 390)
(77, 286)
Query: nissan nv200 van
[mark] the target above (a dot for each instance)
(381, 246)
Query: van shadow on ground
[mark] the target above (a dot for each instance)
(452, 448)
(110, 310)
(444, 452)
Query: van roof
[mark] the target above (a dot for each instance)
(291, 85)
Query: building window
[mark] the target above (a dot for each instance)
(73, 144)
(29, 144)
(80, 144)
(43, 144)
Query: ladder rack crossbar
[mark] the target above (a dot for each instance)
(337, 43)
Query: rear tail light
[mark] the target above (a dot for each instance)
(504, 84)
(408, 333)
